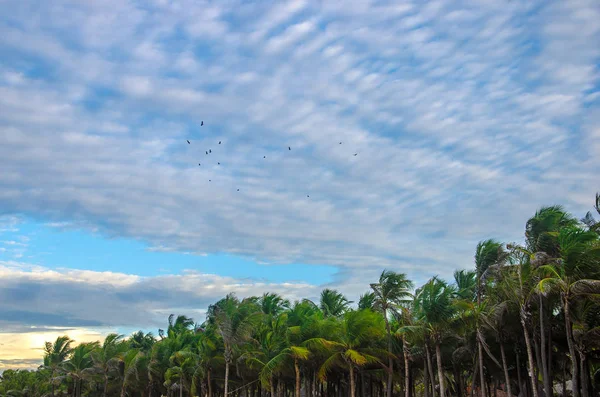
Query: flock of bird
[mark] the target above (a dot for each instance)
(209, 151)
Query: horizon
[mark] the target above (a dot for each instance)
(457, 121)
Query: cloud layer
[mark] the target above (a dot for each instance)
(466, 117)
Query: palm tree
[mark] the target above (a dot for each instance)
(589, 220)
(235, 321)
(273, 304)
(333, 303)
(141, 341)
(391, 290)
(489, 255)
(131, 363)
(80, 364)
(579, 256)
(352, 345)
(302, 328)
(106, 358)
(435, 307)
(518, 290)
(366, 301)
(55, 354)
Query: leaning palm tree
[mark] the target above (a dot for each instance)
(579, 257)
(435, 307)
(391, 290)
(273, 304)
(333, 303)
(131, 365)
(55, 354)
(234, 321)
(353, 344)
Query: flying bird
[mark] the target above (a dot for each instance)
(264, 157)
(238, 190)
(307, 195)
(219, 142)
(218, 163)
(289, 148)
(201, 123)
(209, 180)
(209, 151)
(356, 154)
(199, 164)
(340, 143)
(188, 141)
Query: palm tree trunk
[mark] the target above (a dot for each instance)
(438, 354)
(505, 368)
(105, 384)
(474, 377)
(518, 370)
(297, 370)
(564, 380)
(181, 382)
(430, 369)
(406, 369)
(530, 355)
(227, 379)
(425, 379)
(545, 374)
(352, 388)
(209, 383)
(480, 359)
(272, 381)
(52, 381)
(575, 372)
(584, 375)
(390, 379)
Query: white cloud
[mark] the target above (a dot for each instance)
(466, 117)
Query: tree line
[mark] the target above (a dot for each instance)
(525, 320)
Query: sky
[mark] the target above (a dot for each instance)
(465, 117)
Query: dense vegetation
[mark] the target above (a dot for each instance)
(524, 321)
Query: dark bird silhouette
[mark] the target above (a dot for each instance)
(356, 154)
(264, 157)
(218, 163)
(307, 195)
(209, 151)
(238, 190)
(219, 142)
(199, 164)
(340, 143)
(201, 123)
(188, 141)
(289, 148)
(209, 180)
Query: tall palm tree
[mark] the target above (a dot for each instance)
(131, 365)
(489, 255)
(391, 290)
(541, 242)
(235, 321)
(55, 354)
(80, 364)
(333, 303)
(303, 326)
(435, 307)
(579, 257)
(142, 341)
(352, 344)
(106, 358)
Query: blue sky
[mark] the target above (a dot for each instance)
(466, 116)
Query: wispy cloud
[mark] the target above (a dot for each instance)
(466, 117)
